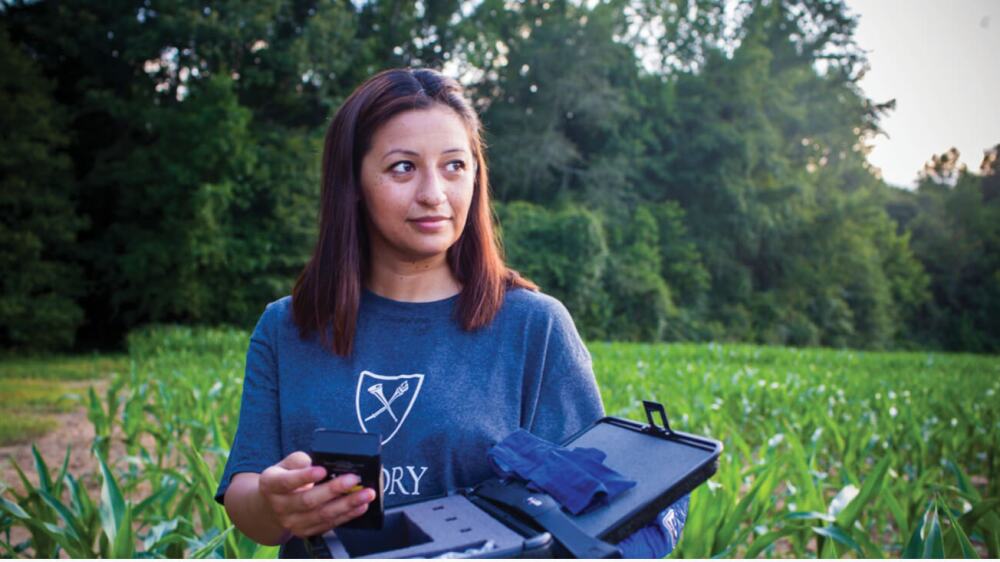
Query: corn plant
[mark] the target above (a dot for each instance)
(828, 453)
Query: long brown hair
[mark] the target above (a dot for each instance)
(327, 294)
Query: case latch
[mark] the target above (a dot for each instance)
(664, 428)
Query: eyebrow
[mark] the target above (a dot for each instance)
(406, 152)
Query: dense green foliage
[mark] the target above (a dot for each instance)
(831, 453)
(38, 222)
(953, 220)
(671, 170)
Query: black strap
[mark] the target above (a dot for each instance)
(542, 509)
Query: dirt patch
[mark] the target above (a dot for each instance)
(73, 431)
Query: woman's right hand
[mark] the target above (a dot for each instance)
(305, 508)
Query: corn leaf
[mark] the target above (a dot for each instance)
(933, 540)
(13, 509)
(898, 513)
(9, 550)
(28, 486)
(79, 500)
(983, 508)
(112, 507)
(836, 534)
(209, 547)
(805, 515)
(764, 541)
(871, 549)
(73, 526)
(915, 546)
(871, 487)
(724, 539)
(963, 481)
(123, 545)
(967, 551)
(62, 473)
(44, 479)
(265, 552)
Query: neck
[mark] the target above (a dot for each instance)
(413, 281)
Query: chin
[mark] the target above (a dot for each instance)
(430, 247)
(424, 253)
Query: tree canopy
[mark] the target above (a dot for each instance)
(679, 170)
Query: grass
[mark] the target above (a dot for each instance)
(22, 427)
(62, 368)
(34, 388)
(828, 453)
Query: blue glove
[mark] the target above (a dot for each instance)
(578, 479)
(660, 537)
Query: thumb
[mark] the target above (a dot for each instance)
(293, 472)
(296, 460)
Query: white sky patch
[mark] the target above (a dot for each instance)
(938, 59)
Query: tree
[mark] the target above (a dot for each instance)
(954, 226)
(695, 170)
(642, 304)
(564, 251)
(555, 129)
(38, 222)
(765, 154)
(194, 136)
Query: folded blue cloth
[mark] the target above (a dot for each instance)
(577, 478)
(660, 537)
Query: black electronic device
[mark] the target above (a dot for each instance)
(502, 518)
(345, 452)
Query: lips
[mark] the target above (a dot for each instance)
(429, 220)
(432, 224)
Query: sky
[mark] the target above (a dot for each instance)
(940, 60)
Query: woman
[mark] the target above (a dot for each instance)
(405, 322)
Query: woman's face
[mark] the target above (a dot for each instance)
(417, 182)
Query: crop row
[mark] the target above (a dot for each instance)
(827, 453)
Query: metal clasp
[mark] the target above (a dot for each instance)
(651, 407)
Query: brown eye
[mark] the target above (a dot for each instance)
(402, 167)
(455, 166)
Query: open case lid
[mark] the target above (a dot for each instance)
(665, 465)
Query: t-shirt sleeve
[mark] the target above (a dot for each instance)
(567, 398)
(257, 444)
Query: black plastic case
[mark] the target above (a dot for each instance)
(665, 464)
(344, 452)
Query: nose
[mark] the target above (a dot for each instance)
(431, 191)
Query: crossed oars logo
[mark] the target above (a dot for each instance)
(406, 388)
(376, 391)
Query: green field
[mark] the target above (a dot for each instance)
(827, 453)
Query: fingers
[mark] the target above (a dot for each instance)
(281, 481)
(355, 512)
(334, 513)
(306, 508)
(320, 495)
(325, 526)
(292, 473)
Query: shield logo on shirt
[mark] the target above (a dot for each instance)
(382, 402)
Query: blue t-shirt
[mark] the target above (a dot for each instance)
(440, 396)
